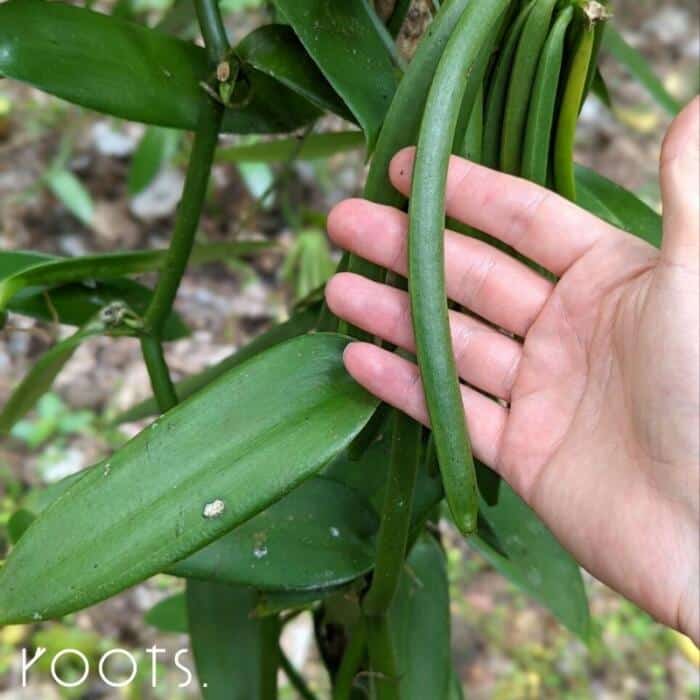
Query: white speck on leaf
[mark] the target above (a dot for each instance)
(36, 616)
(214, 509)
(335, 532)
(260, 552)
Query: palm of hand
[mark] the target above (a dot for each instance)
(612, 383)
(601, 431)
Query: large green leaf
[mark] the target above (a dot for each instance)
(76, 304)
(314, 146)
(519, 545)
(419, 619)
(20, 270)
(638, 66)
(302, 322)
(204, 468)
(122, 68)
(275, 51)
(618, 206)
(319, 536)
(227, 642)
(350, 48)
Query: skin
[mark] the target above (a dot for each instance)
(598, 427)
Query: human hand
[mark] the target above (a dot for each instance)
(600, 434)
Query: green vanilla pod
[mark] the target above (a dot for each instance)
(426, 257)
(520, 85)
(541, 113)
(565, 137)
(474, 135)
(498, 90)
(401, 126)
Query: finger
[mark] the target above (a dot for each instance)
(486, 359)
(536, 222)
(479, 277)
(397, 382)
(680, 184)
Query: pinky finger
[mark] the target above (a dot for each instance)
(397, 382)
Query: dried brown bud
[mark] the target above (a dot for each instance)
(223, 71)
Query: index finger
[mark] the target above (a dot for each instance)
(534, 221)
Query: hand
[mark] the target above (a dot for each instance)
(600, 372)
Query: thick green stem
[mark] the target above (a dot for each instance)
(163, 388)
(396, 515)
(189, 213)
(190, 210)
(179, 251)
(270, 658)
(384, 676)
(352, 660)
(392, 541)
(213, 30)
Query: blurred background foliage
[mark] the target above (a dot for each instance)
(72, 182)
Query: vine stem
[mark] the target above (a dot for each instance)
(352, 659)
(189, 214)
(392, 542)
(270, 659)
(294, 677)
(213, 30)
(384, 676)
(158, 373)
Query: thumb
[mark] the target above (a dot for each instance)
(680, 188)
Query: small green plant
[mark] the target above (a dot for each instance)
(272, 482)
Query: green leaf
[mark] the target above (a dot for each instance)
(170, 615)
(69, 190)
(638, 66)
(455, 692)
(519, 545)
(308, 264)
(42, 375)
(227, 642)
(157, 147)
(299, 324)
(349, 47)
(204, 468)
(275, 51)
(124, 69)
(319, 536)
(419, 620)
(617, 206)
(316, 539)
(18, 523)
(76, 304)
(600, 89)
(313, 147)
(51, 271)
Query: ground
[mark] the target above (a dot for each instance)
(505, 645)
